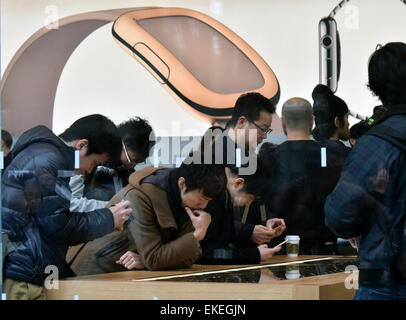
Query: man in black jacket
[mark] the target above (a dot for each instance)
(220, 243)
(250, 124)
(247, 180)
(302, 181)
(36, 198)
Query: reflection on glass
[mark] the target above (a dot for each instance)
(267, 276)
(273, 273)
(292, 271)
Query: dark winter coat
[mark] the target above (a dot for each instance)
(35, 208)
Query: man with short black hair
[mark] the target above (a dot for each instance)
(94, 191)
(138, 139)
(247, 180)
(357, 130)
(252, 113)
(222, 244)
(167, 223)
(36, 198)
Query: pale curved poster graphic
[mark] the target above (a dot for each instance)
(203, 65)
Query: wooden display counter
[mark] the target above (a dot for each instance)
(190, 284)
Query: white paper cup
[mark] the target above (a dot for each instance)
(292, 271)
(292, 246)
(294, 274)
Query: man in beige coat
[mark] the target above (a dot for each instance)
(166, 225)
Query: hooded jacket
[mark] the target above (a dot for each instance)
(35, 208)
(370, 189)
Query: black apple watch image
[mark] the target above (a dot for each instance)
(330, 52)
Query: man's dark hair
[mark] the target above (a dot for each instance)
(269, 154)
(258, 183)
(387, 73)
(210, 178)
(100, 131)
(326, 130)
(136, 134)
(7, 138)
(250, 105)
(358, 129)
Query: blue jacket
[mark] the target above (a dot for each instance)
(369, 188)
(35, 208)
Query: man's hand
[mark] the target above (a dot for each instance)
(276, 225)
(121, 212)
(267, 253)
(380, 181)
(262, 234)
(131, 260)
(200, 220)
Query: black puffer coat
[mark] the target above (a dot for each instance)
(35, 208)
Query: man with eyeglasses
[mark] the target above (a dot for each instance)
(96, 189)
(251, 120)
(250, 123)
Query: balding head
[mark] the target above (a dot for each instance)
(297, 114)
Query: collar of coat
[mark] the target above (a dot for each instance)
(157, 197)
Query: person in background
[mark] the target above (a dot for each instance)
(300, 183)
(357, 130)
(331, 119)
(222, 244)
(93, 191)
(6, 143)
(369, 200)
(249, 125)
(36, 198)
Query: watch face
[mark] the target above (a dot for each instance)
(206, 53)
(203, 64)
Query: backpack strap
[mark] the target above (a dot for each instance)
(245, 214)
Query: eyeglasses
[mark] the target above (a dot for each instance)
(130, 162)
(126, 153)
(266, 131)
